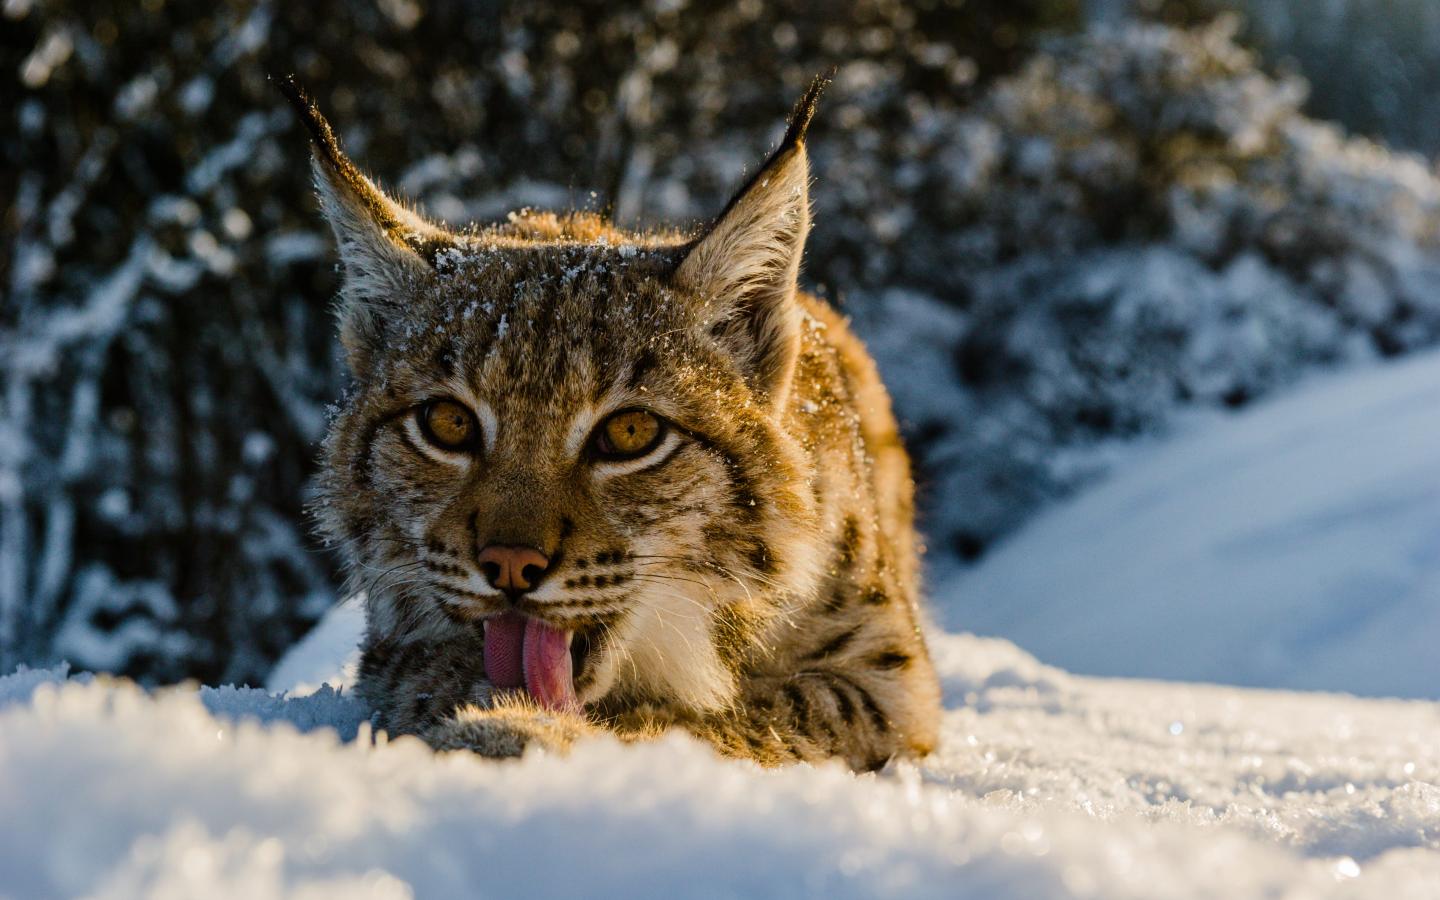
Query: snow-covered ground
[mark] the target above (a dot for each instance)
(1294, 545)
(1048, 785)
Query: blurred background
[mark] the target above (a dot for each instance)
(1117, 260)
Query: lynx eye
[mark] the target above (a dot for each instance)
(629, 433)
(448, 425)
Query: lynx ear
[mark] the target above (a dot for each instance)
(385, 249)
(748, 261)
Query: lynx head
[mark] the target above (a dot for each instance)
(572, 436)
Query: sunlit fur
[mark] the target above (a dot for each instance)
(751, 580)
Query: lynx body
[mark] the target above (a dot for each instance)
(594, 480)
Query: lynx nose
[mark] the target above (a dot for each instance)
(513, 570)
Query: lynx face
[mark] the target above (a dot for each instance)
(571, 436)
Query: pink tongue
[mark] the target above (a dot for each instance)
(548, 676)
(521, 651)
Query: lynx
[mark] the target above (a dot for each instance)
(590, 481)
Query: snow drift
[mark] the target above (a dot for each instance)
(1293, 545)
(1048, 785)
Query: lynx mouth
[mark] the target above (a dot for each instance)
(546, 661)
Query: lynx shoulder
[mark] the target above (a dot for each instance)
(591, 480)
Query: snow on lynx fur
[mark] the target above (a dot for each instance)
(592, 480)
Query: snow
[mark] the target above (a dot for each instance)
(1294, 545)
(1207, 556)
(328, 654)
(1048, 785)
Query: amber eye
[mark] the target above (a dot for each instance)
(448, 425)
(629, 433)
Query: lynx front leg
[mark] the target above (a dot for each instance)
(507, 728)
(810, 716)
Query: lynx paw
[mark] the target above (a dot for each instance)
(507, 730)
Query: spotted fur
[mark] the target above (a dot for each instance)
(754, 584)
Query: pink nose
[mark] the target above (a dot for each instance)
(513, 569)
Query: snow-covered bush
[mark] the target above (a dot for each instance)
(1374, 65)
(1142, 220)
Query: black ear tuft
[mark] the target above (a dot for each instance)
(746, 263)
(794, 139)
(309, 114)
(805, 111)
(338, 165)
(386, 250)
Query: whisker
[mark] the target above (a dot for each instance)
(660, 579)
(653, 576)
(657, 559)
(608, 640)
(463, 593)
(404, 568)
(659, 614)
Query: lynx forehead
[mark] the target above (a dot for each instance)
(592, 479)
